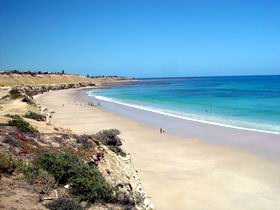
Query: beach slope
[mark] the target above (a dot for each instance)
(178, 173)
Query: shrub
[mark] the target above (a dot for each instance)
(64, 204)
(31, 173)
(22, 125)
(11, 141)
(117, 150)
(11, 116)
(91, 186)
(15, 93)
(43, 182)
(35, 116)
(86, 181)
(61, 165)
(129, 207)
(7, 165)
(85, 141)
(109, 137)
(20, 165)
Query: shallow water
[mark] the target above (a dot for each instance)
(244, 102)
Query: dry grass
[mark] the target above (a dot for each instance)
(40, 79)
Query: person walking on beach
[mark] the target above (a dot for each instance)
(160, 130)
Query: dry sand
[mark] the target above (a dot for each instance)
(179, 173)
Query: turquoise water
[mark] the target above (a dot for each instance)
(243, 102)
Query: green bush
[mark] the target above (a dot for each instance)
(35, 116)
(89, 185)
(86, 181)
(64, 204)
(15, 93)
(22, 125)
(61, 165)
(109, 137)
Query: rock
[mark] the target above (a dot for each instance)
(148, 204)
(83, 204)
(28, 99)
(150, 207)
(124, 198)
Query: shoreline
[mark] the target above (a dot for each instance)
(247, 140)
(101, 98)
(176, 173)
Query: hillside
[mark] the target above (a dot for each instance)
(98, 173)
(44, 79)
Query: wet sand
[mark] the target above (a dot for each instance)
(180, 172)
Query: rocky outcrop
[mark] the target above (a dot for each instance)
(27, 92)
(39, 89)
(121, 174)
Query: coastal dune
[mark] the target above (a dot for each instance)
(178, 173)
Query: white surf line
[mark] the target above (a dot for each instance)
(102, 98)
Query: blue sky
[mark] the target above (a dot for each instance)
(141, 38)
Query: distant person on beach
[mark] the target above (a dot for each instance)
(160, 130)
(163, 131)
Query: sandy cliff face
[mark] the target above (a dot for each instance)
(35, 90)
(121, 173)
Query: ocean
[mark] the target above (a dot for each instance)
(241, 102)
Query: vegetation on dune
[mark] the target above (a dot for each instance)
(7, 164)
(10, 164)
(48, 170)
(61, 165)
(11, 141)
(117, 150)
(90, 185)
(15, 94)
(86, 181)
(42, 182)
(85, 141)
(64, 204)
(35, 116)
(22, 125)
(111, 139)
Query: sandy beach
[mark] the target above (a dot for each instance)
(178, 173)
